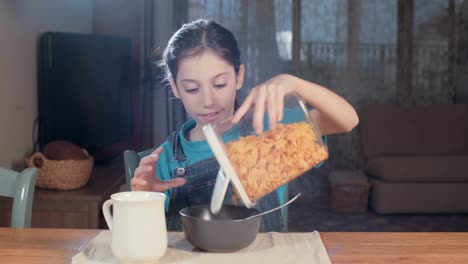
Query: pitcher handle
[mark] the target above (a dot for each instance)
(107, 214)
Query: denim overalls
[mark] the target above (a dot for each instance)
(201, 177)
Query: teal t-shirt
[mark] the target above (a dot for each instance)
(196, 151)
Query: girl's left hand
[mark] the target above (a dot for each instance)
(267, 96)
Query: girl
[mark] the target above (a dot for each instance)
(202, 65)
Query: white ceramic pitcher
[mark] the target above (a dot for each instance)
(138, 225)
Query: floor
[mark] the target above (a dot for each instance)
(311, 212)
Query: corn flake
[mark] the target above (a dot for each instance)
(265, 162)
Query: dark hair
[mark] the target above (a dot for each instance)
(193, 38)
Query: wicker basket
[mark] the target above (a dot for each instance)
(61, 174)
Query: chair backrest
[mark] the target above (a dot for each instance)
(132, 159)
(439, 129)
(20, 187)
(131, 162)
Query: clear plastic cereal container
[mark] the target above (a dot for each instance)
(259, 164)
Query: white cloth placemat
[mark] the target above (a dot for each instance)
(269, 248)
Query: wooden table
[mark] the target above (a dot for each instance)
(39, 246)
(60, 245)
(396, 248)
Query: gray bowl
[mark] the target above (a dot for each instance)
(226, 231)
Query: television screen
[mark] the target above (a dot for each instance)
(85, 89)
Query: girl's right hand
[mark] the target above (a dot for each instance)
(145, 178)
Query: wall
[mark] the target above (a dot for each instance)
(21, 22)
(127, 24)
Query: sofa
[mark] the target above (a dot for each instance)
(416, 157)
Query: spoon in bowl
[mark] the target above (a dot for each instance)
(274, 209)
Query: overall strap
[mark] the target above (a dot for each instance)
(178, 154)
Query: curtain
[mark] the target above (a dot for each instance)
(169, 114)
(380, 51)
(262, 47)
(461, 57)
(353, 47)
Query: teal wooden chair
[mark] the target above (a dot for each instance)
(19, 186)
(132, 160)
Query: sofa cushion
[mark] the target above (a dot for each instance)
(419, 168)
(417, 198)
(414, 130)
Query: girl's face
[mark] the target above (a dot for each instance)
(207, 85)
